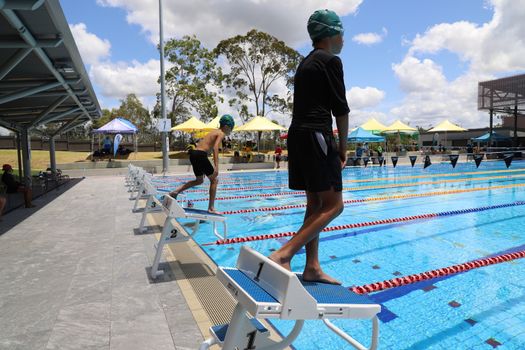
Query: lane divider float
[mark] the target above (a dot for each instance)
(365, 224)
(445, 271)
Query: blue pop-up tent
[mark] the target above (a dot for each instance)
(117, 126)
(495, 137)
(361, 135)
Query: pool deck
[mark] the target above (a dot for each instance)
(74, 276)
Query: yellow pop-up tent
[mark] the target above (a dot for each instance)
(446, 126)
(259, 124)
(191, 125)
(399, 128)
(373, 125)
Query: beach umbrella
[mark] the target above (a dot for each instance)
(373, 125)
(191, 125)
(260, 125)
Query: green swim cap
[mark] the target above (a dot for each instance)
(227, 120)
(324, 24)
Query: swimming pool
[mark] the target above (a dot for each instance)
(479, 309)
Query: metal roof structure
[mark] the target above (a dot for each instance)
(502, 95)
(42, 77)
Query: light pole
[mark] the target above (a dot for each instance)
(163, 94)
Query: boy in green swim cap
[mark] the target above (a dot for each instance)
(201, 164)
(315, 160)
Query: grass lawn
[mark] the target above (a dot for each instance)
(40, 159)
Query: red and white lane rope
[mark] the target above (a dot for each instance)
(445, 271)
(364, 224)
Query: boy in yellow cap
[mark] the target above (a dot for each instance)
(315, 160)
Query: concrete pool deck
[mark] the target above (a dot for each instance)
(74, 276)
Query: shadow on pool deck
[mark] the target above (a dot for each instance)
(18, 215)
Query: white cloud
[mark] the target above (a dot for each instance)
(119, 79)
(212, 21)
(359, 98)
(370, 38)
(490, 50)
(419, 75)
(91, 47)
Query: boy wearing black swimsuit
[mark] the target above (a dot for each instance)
(201, 164)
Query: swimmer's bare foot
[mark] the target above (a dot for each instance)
(317, 275)
(213, 211)
(276, 257)
(174, 194)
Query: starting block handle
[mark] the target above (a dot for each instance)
(352, 341)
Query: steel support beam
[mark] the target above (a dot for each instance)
(69, 125)
(29, 5)
(24, 32)
(10, 125)
(13, 62)
(10, 84)
(28, 92)
(516, 125)
(20, 44)
(57, 116)
(42, 117)
(26, 157)
(52, 155)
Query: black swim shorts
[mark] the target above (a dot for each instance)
(313, 161)
(200, 163)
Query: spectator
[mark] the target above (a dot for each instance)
(278, 153)
(13, 186)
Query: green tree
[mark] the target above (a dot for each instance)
(133, 110)
(257, 61)
(190, 80)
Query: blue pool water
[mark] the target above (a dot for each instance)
(478, 309)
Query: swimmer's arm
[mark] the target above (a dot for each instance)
(218, 141)
(342, 129)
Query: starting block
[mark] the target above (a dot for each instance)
(170, 234)
(263, 289)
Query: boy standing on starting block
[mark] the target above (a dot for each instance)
(201, 164)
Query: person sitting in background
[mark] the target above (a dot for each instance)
(3, 201)
(379, 151)
(13, 186)
(107, 144)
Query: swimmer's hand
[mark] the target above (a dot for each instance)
(342, 157)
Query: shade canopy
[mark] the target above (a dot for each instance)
(191, 125)
(214, 124)
(117, 126)
(399, 127)
(361, 135)
(260, 124)
(373, 125)
(495, 137)
(446, 126)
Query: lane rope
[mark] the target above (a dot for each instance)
(365, 224)
(435, 175)
(361, 188)
(370, 199)
(445, 271)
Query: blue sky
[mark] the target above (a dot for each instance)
(420, 81)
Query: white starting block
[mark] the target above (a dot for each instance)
(170, 234)
(263, 289)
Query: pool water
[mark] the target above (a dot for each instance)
(479, 309)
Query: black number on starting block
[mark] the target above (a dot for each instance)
(251, 340)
